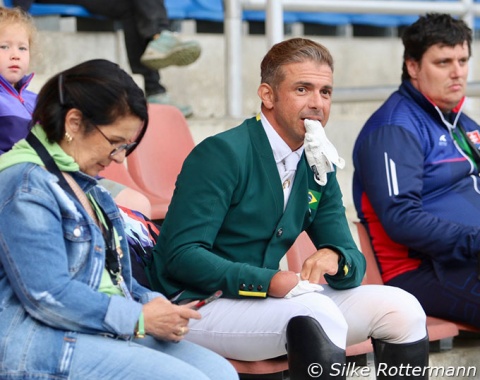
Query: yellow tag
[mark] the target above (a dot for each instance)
(252, 294)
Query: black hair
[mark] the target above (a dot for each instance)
(433, 29)
(98, 88)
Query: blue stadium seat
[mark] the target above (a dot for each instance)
(407, 20)
(375, 20)
(288, 17)
(207, 10)
(178, 9)
(55, 9)
(59, 9)
(336, 19)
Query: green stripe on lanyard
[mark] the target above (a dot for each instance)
(462, 143)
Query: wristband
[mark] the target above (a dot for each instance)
(140, 333)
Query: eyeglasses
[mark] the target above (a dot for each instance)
(117, 149)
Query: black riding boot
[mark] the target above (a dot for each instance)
(311, 353)
(401, 361)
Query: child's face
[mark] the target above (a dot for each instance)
(14, 52)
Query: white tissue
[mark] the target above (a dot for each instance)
(303, 287)
(320, 152)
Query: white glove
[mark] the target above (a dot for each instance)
(303, 287)
(320, 152)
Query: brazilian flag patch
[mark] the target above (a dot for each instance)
(313, 199)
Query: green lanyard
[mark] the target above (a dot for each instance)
(460, 138)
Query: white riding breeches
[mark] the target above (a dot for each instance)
(254, 329)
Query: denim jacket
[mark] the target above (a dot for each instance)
(51, 261)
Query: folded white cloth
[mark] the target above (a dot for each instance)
(303, 287)
(320, 152)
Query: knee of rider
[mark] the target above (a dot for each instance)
(406, 318)
(330, 318)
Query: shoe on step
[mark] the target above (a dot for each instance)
(169, 50)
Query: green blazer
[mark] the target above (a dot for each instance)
(226, 228)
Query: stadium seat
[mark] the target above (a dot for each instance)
(323, 18)
(379, 20)
(37, 9)
(261, 367)
(250, 15)
(118, 173)
(404, 20)
(156, 163)
(178, 9)
(207, 10)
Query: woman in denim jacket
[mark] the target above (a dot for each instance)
(69, 306)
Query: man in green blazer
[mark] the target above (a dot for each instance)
(241, 200)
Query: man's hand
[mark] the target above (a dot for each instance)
(324, 261)
(282, 282)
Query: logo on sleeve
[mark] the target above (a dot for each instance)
(474, 137)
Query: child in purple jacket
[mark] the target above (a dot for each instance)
(17, 32)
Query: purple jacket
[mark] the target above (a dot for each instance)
(16, 108)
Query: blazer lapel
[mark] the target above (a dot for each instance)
(266, 162)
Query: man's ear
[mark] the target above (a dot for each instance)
(265, 93)
(73, 121)
(412, 67)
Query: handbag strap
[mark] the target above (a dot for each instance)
(50, 163)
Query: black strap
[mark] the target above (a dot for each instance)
(112, 260)
(50, 163)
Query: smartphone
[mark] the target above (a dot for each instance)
(213, 297)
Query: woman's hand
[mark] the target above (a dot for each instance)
(167, 321)
(282, 282)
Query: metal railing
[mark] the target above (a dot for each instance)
(466, 9)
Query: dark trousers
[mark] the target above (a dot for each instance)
(452, 293)
(141, 20)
